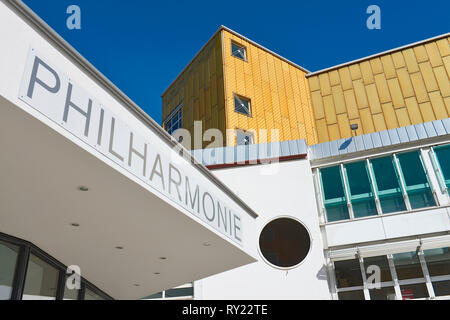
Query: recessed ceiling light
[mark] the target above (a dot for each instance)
(83, 188)
(136, 284)
(74, 224)
(156, 273)
(162, 258)
(206, 244)
(119, 247)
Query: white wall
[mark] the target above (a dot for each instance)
(288, 192)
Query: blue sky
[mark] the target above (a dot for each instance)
(141, 46)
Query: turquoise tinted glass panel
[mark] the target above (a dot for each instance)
(332, 183)
(358, 178)
(392, 203)
(388, 185)
(334, 194)
(361, 194)
(385, 175)
(417, 186)
(412, 169)
(443, 156)
(337, 212)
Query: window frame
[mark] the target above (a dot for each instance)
(175, 112)
(28, 248)
(246, 133)
(164, 297)
(395, 282)
(364, 196)
(240, 46)
(419, 187)
(440, 175)
(335, 201)
(322, 203)
(241, 97)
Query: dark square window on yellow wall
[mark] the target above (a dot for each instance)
(238, 51)
(242, 105)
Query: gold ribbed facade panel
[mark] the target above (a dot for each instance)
(278, 92)
(200, 91)
(393, 90)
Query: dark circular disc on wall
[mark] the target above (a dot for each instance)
(284, 242)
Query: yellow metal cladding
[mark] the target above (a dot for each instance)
(395, 89)
(398, 88)
(278, 93)
(200, 91)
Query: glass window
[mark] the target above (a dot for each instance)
(242, 105)
(284, 242)
(238, 51)
(361, 193)
(407, 265)
(243, 138)
(41, 280)
(348, 273)
(388, 185)
(385, 293)
(438, 261)
(180, 292)
(8, 261)
(382, 263)
(175, 122)
(417, 187)
(443, 157)
(441, 288)
(351, 295)
(414, 291)
(154, 296)
(70, 294)
(334, 194)
(91, 295)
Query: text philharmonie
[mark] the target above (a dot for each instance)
(42, 88)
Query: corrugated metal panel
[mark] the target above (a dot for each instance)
(421, 132)
(385, 139)
(368, 144)
(376, 139)
(252, 153)
(351, 145)
(334, 148)
(412, 133)
(402, 134)
(393, 136)
(429, 128)
(381, 139)
(439, 127)
(359, 143)
(446, 123)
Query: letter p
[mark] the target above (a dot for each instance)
(34, 78)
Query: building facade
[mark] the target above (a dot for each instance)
(97, 201)
(361, 164)
(235, 83)
(336, 204)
